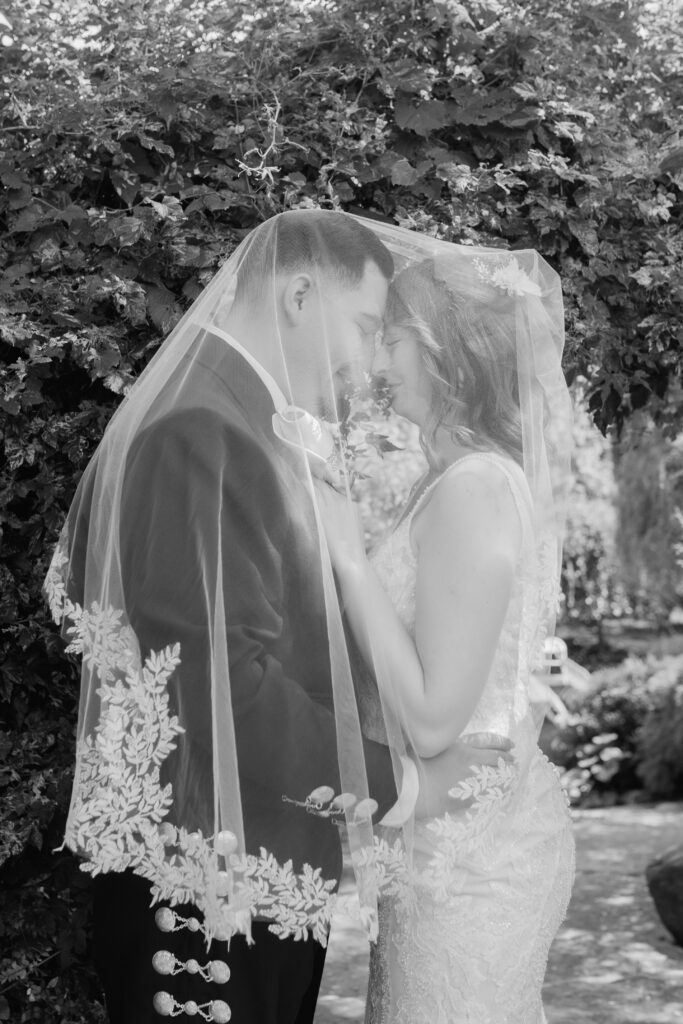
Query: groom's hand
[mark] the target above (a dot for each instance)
(443, 772)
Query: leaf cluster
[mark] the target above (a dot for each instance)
(623, 737)
(141, 139)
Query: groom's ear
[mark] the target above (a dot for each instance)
(297, 299)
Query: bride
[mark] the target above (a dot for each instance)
(453, 606)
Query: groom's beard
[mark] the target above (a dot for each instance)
(337, 408)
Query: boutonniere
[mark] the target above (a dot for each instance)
(299, 429)
(335, 450)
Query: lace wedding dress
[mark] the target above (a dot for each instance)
(469, 942)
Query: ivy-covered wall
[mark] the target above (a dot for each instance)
(139, 141)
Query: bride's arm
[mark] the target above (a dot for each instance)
(467, 538)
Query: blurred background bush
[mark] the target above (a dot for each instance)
(141, 139)
(624, 739)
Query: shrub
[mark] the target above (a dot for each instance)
(141, 141)
(588, 550)
(601, 747)
(660, 739)
(649, 470)
(45, 975)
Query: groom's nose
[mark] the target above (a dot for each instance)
(379, 362)
(367, 354)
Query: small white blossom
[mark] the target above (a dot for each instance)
(508, 277)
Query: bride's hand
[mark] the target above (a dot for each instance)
(458, 763)
(342, 526)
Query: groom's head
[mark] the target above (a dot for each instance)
(321, 279)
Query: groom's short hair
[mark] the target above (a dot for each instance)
(304, 241)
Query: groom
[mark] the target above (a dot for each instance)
(328, 279)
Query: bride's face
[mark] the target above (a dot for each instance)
(398, 362)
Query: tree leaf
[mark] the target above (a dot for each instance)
(672, 163)
(18, 198)
(163, 308)
(127, 230)
(29, 219)
(403, 173)
(126, 184)
(421, 117)
(492, 106)
(408, 76)
(169, 208)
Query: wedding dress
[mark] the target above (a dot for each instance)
(469, 942)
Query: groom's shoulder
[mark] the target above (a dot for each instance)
(202, 420)
(214, 432)
(209, 448)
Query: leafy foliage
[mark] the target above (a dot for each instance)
(622, 736)
(660, 742)
(590, 584)
(597, 748)
(139, 141)
(45, 920)
(649, 471)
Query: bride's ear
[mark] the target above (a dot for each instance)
(297, 299)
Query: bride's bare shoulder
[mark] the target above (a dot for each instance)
(473, 494)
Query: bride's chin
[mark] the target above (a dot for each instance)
(405, 414)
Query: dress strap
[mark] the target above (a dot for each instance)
(516, 481)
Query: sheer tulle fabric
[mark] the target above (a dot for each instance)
(464, 935)
(219, 712)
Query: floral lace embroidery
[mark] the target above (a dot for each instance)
(507, 275)
(117, 815)
(119, 809)
(467, 939)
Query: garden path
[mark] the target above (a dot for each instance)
(613, 961)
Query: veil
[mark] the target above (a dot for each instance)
(220, 746)
(491, 327)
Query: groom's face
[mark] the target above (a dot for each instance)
(337, 324)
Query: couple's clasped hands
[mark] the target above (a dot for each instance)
(439, 774)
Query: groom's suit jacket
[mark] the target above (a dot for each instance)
(221, 438)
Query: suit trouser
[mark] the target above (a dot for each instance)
(273, 981)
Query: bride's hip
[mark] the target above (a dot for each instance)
(528, 811)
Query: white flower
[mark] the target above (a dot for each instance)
(507, 276)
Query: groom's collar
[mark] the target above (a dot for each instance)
(274, 390)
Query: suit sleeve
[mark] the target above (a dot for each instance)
(208, 509)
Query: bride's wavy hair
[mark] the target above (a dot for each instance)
(466, 330)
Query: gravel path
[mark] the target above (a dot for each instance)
(613, 962)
